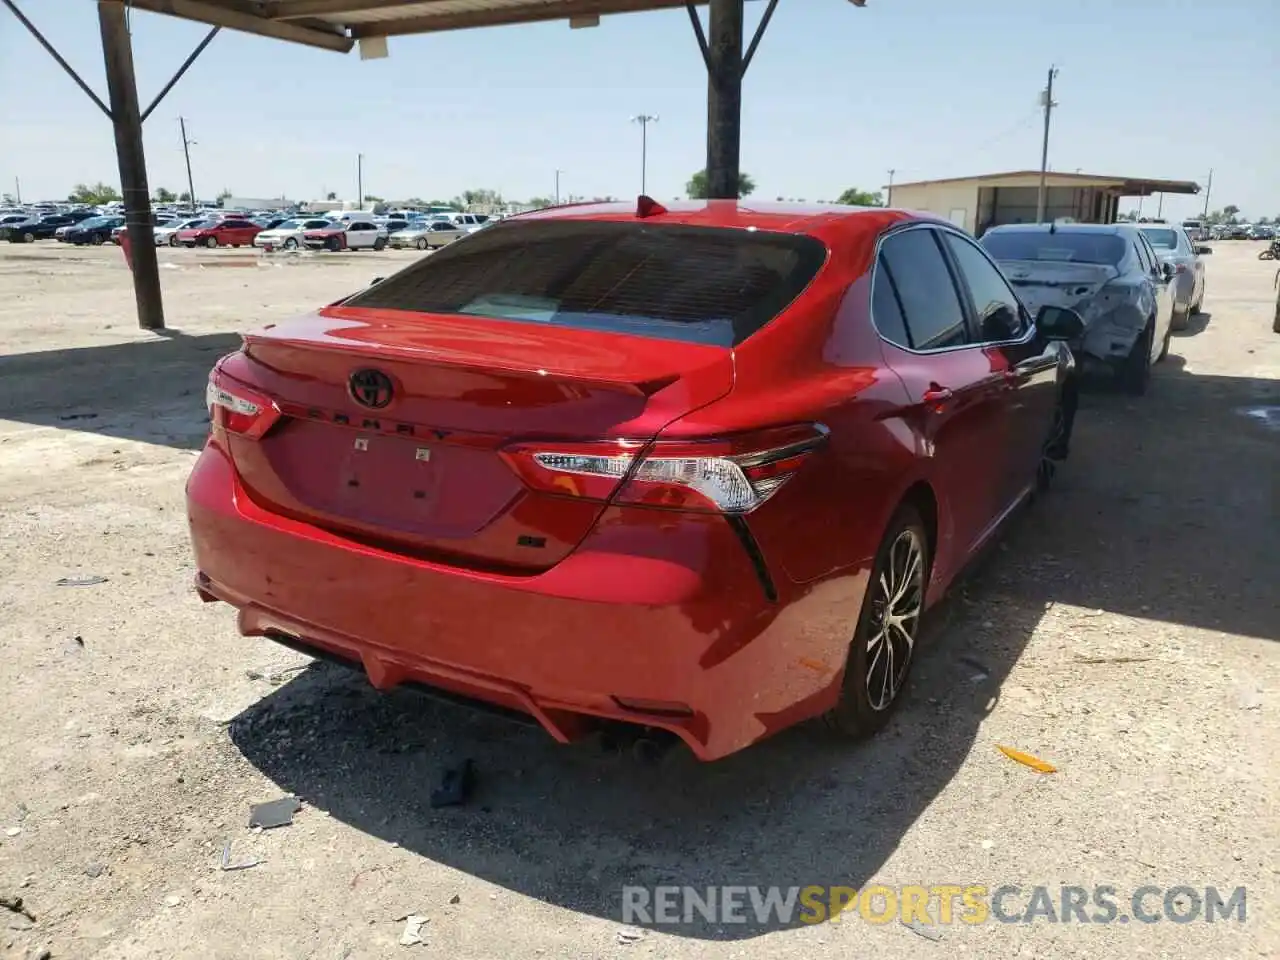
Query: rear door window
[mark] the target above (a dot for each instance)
(927, 293)
(997, 312)
(673, 282)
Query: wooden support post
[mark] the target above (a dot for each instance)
(117, 50)
(724, 98)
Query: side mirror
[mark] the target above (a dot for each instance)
(377, 280)
(1059, 323)
(1168, 270)
(1203, 251)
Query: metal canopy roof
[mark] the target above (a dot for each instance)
(337, 24)
(1127, 186)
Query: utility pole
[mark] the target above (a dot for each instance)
(644, 119)
(888, 202)
(1047, 95)
(17, 189)
(558, 172)
(359, 181)
(1207, 190)
(1160, 206)
(186, 152)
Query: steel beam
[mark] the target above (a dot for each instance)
(186, 65)
(724, 99)
(31, 27)
(238, 18)
(117, 51)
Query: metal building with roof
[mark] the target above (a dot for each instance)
(978, 203)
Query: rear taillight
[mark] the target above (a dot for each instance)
(236, 408)
(1180, 268)
(729, 475)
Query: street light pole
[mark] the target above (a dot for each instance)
(558, 172)
(889, 199)
(644, 119)
(1207, 190)
(359, 181)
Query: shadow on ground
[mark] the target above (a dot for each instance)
(1196, 324)
(148, 390)
(1166, 511)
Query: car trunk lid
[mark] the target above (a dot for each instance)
(423, 474)
(1061, 284)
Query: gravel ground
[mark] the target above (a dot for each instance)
(1125, 629)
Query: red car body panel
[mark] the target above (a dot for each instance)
(227, 235)
(627, 612)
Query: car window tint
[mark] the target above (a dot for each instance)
(886, 311)
(996, 309)
(926, 291)
(695, 284)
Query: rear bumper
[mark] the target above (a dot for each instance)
(661, 625)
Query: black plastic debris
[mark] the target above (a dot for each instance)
(274, 813)
(455, 786)
(14, 904)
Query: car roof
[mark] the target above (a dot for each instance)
(779, 217)
(1112, 228)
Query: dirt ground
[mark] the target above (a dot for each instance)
(1125, 629)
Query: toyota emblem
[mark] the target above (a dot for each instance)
(370, 388)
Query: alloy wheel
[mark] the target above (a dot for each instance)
(895, 619)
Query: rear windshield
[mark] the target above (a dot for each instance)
(1061, 245)
(695, 284)
(1165, 239)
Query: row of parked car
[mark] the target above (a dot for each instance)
(1199, 230)
(340, 230)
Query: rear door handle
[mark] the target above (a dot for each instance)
(937, 394)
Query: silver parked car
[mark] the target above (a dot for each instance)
(1172, 245)
(1107, 273)
(430, 234)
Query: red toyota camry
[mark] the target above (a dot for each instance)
(698, 469)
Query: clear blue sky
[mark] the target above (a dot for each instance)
(835, 97)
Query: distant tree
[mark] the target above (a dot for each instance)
(478, 198)
(372, 199)
(7, 199)
(331, 195)
(96, 194)
(853, 197)
(698, 189)
(1264, 220)
(164, 196)
(1128, 216)
(539, 202)
(1230, 211)
(184, 197)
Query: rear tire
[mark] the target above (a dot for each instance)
(379, 244)
(291, 244)
(884, 640)
(174, 241)
(1182, 319)
(28, 237)
(1135, 372)
(422, 243)
(210, 242)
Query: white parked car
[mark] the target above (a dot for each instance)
(288, 235)
(432, 233)
(167, 236)
(351, 235)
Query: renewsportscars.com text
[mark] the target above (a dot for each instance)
(937, 904)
